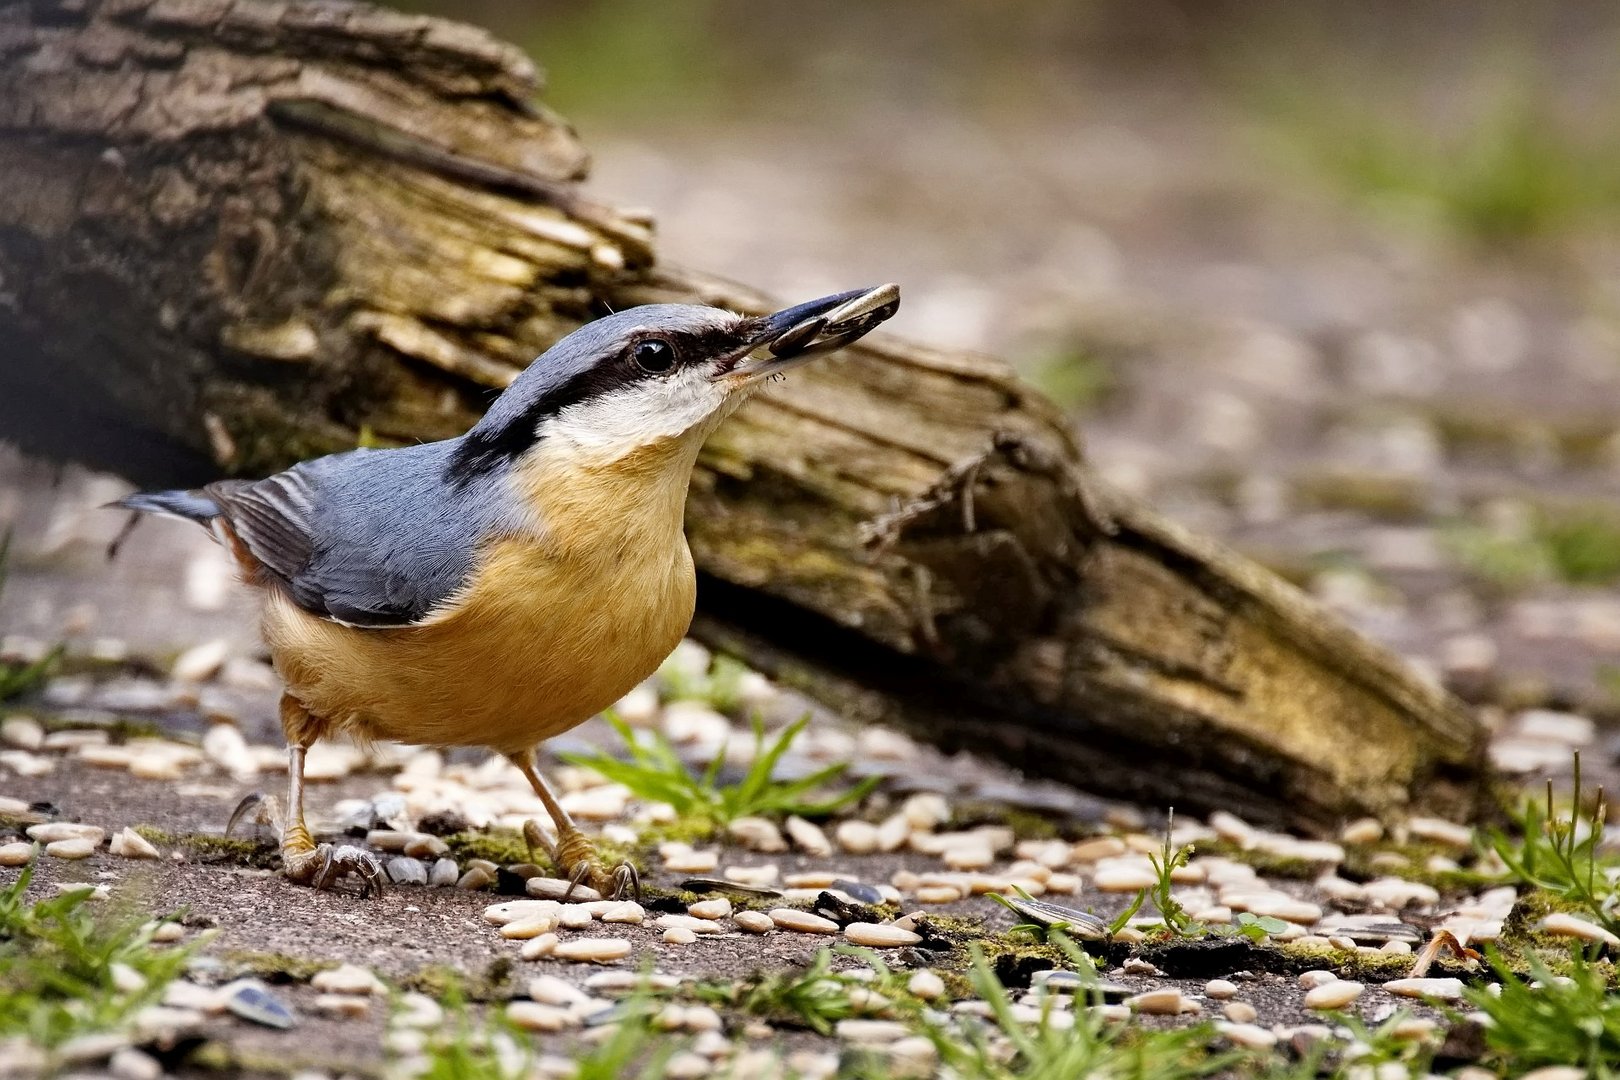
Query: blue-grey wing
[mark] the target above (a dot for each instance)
(371, 538)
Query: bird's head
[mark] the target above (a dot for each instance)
(663, 375)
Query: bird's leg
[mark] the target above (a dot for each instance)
(303, 860)
(573, 853)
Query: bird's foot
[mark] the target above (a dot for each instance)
(324, 865)
(304, 862)
(574, 856)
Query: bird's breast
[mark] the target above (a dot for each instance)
(533, 645)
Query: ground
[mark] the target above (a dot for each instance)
(1404, 410)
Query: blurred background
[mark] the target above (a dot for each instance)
(1339, 283)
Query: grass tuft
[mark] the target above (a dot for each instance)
(57, 966)
(654, 772)
(1573, 1019)
(1546, 850)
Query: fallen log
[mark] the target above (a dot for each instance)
(237, 234)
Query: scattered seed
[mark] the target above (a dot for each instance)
(1561, 924)
(1334, 995)
(1441, 831)
(558, 889)
(717, 908)
(938, 894)
(345, 1005)
(53, 831)
(1124, 877)
(1249, 1035)
(880, 935)
(1167, 1002)
(1097, 848)
(808, 836)
(625, 912)
(444, 873)
(593, 950)
(535, 948)
(475, 878)
(871, 1031)
(753, 875)
(534, 1016)
(755, 922)
(70, 849)
(1310, 980)
(129, 844)
(802, 921)
(926, 985)
(531, 927)
(1439, 989)
(1240, 1012)
(679, 935)
(403, 870)
(132, 1064)
(858, 837)
(165, 933)
(1220, 989)
(758, 833)
(692, 862)
(691, 923)
(17, 853)
(347, 979)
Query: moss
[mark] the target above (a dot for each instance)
(120, 729)
(687, 830)
(212, 848)
(494, 983)
(275, 967)
(1025, 824)
(503, 847)
(1353, 964)
(1360, 864)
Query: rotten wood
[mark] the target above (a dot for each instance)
(236, 234)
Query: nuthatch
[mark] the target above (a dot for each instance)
(501, 587)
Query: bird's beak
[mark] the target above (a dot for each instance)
(796, 334)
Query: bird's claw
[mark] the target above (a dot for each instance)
(326, 865)
(612, 884)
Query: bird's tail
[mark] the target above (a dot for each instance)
(186, 505)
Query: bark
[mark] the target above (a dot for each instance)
(236, 234)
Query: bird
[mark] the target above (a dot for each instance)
(498, 588)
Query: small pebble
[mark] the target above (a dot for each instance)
(444, 874)
(1101, 847)
(938, 894)
(1362, 831)
(1441, 831)
(593, 950)
(1220, 989)
(70, 849)
(880, 935)
(23, 732)
(679, 935)
(755, 922)
(1334, 995)
(857, 837)
(530, 927)
(757, 833)
(753, 875)
(168, 932)
(802, 921)
(1310, 980)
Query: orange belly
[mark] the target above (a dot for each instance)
(534, 645)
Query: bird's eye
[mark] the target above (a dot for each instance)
(654, 356)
